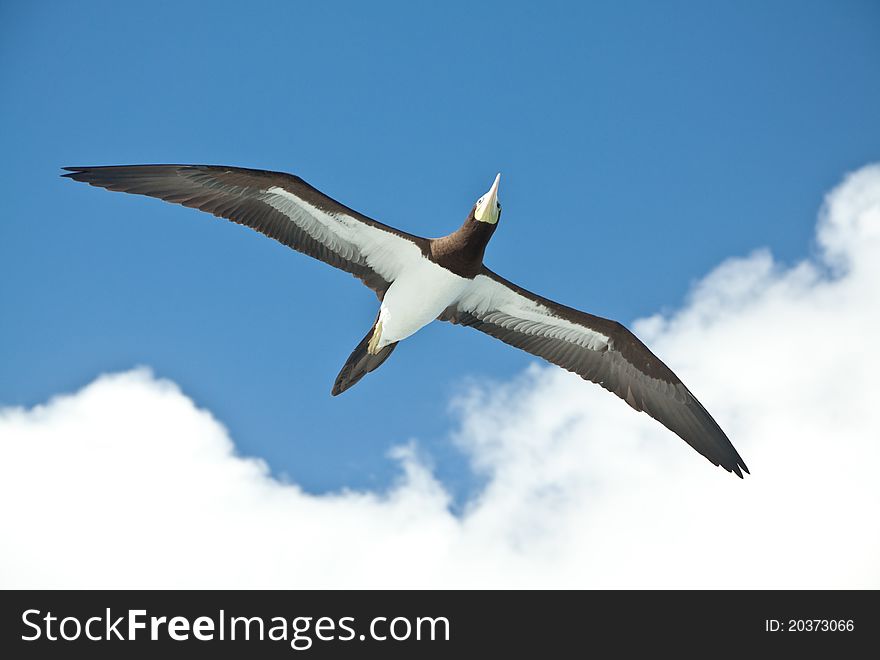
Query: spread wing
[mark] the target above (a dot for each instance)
(596, 349)
(281, 206)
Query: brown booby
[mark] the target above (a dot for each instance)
(420, 279)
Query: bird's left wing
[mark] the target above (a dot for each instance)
(281, 206)
(596, 349)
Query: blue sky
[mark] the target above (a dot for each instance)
(639, 143)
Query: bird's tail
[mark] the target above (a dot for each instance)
(360, 363)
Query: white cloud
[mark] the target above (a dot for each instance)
(127, 484)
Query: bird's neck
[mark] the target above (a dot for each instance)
(462, 251)
(473, 237)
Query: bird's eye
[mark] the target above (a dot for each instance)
(498, 204)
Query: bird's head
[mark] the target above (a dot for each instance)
(488, 208)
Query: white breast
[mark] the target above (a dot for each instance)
(416, 298)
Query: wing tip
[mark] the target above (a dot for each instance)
(737, 467)
(79, 173)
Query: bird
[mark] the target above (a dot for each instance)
(418, 280)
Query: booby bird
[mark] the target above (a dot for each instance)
(418, 280)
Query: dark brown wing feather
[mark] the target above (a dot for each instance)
(239, 195)
(622, 365)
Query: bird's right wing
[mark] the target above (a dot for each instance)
(596, 349)
(282, 206)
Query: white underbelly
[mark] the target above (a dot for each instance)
(416, 298)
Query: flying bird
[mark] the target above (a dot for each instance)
(420, 279)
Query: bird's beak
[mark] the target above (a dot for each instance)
(487, 207)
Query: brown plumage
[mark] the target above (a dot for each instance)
(462, 251)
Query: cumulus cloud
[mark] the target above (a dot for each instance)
(127, 483)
